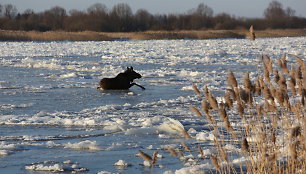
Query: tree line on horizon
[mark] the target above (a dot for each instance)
(122, 19)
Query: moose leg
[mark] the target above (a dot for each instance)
(143, 88)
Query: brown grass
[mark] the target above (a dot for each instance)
(6, 35)
(52, 36)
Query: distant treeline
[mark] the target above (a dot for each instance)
(122, 19)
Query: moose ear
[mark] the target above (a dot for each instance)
(131, 68)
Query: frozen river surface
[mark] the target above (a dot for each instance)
(52, 117)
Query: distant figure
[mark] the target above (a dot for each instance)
(252, 33)
(122, 81)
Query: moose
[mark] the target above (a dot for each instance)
(122, 81)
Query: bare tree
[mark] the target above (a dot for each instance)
(28, 11)
(10, 11)
(76, 21)
(121, 14)
(143, 20)
(97, 9)
(121, 19)
(122, 10)
(290, 12)
(277, 16)
(275, 10)
(1, 9)
(54, 17)
(97, 18)
(204, 10)
(29, 20)
(200, 17)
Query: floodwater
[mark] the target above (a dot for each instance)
(53, 119)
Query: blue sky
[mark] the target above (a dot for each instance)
(239, 8)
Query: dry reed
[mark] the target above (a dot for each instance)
(195, 111)
(201, 151)
(145, 156)
(206, 108)
(7, 35)
(232, 79)
(267, 109)
(184, 133)
(269, 121)
(252, 33)
(186, 148)
(171, 151)
(154, 159)
(195, 88)
(215, 163)
(213, 102)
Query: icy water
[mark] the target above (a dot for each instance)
(52, 117)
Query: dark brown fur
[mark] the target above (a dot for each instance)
(122, 81)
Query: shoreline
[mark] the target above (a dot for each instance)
(11, 35)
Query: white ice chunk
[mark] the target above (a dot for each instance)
(83, 145)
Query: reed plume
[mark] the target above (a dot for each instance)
(276, 76)
(267, 93)
(214, 161)
(195, 88)
(229, 127)
(252, 33)
(299, 61)
(222, 113)
(184, 133)
(293, 75)
(245, 145)
(180, 153)
(247, 83)
(283, 64)
(282, 82)
(213, 102)
(206, 108)
(246, 96)
(298, 73)
(223, 154)
(232, 94)
(228, 99)
(232, 79)
(295, 132)
(258, 86)
(268, 63)
(171, 151)
(273, 137)
(291, 84)
(201, 151)
(260, 111)
(206, 91)
(240, 109)
(186, 148)
(270, 107)
(145, 156)
(195, 111)
(293, 150)
(154, 159)
(266, 74)
(300, 88)
(279, 95)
